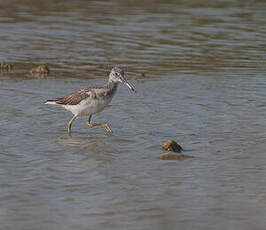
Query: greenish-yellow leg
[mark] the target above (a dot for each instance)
(107, 128)
(70, 123)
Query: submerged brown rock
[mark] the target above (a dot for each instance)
(6, 66)
(172, 146)
(41, 69)
(174, 156)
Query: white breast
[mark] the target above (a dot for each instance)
(88, 106)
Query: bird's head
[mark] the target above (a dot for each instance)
(117, 75)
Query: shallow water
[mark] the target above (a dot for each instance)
(199, 69)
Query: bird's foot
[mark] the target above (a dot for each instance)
(107, 128)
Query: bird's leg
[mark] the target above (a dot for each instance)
(89, 120)
(70, 123)
(107, 128)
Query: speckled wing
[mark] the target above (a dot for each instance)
(72, 99)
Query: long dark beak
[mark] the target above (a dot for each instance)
(128, 85)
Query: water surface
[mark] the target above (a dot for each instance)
(199, 68)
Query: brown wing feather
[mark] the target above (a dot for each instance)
(75, 98)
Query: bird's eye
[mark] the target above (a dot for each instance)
(116, 74)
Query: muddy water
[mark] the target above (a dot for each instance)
(199, 68)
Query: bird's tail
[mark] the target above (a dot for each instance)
(50, 102)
